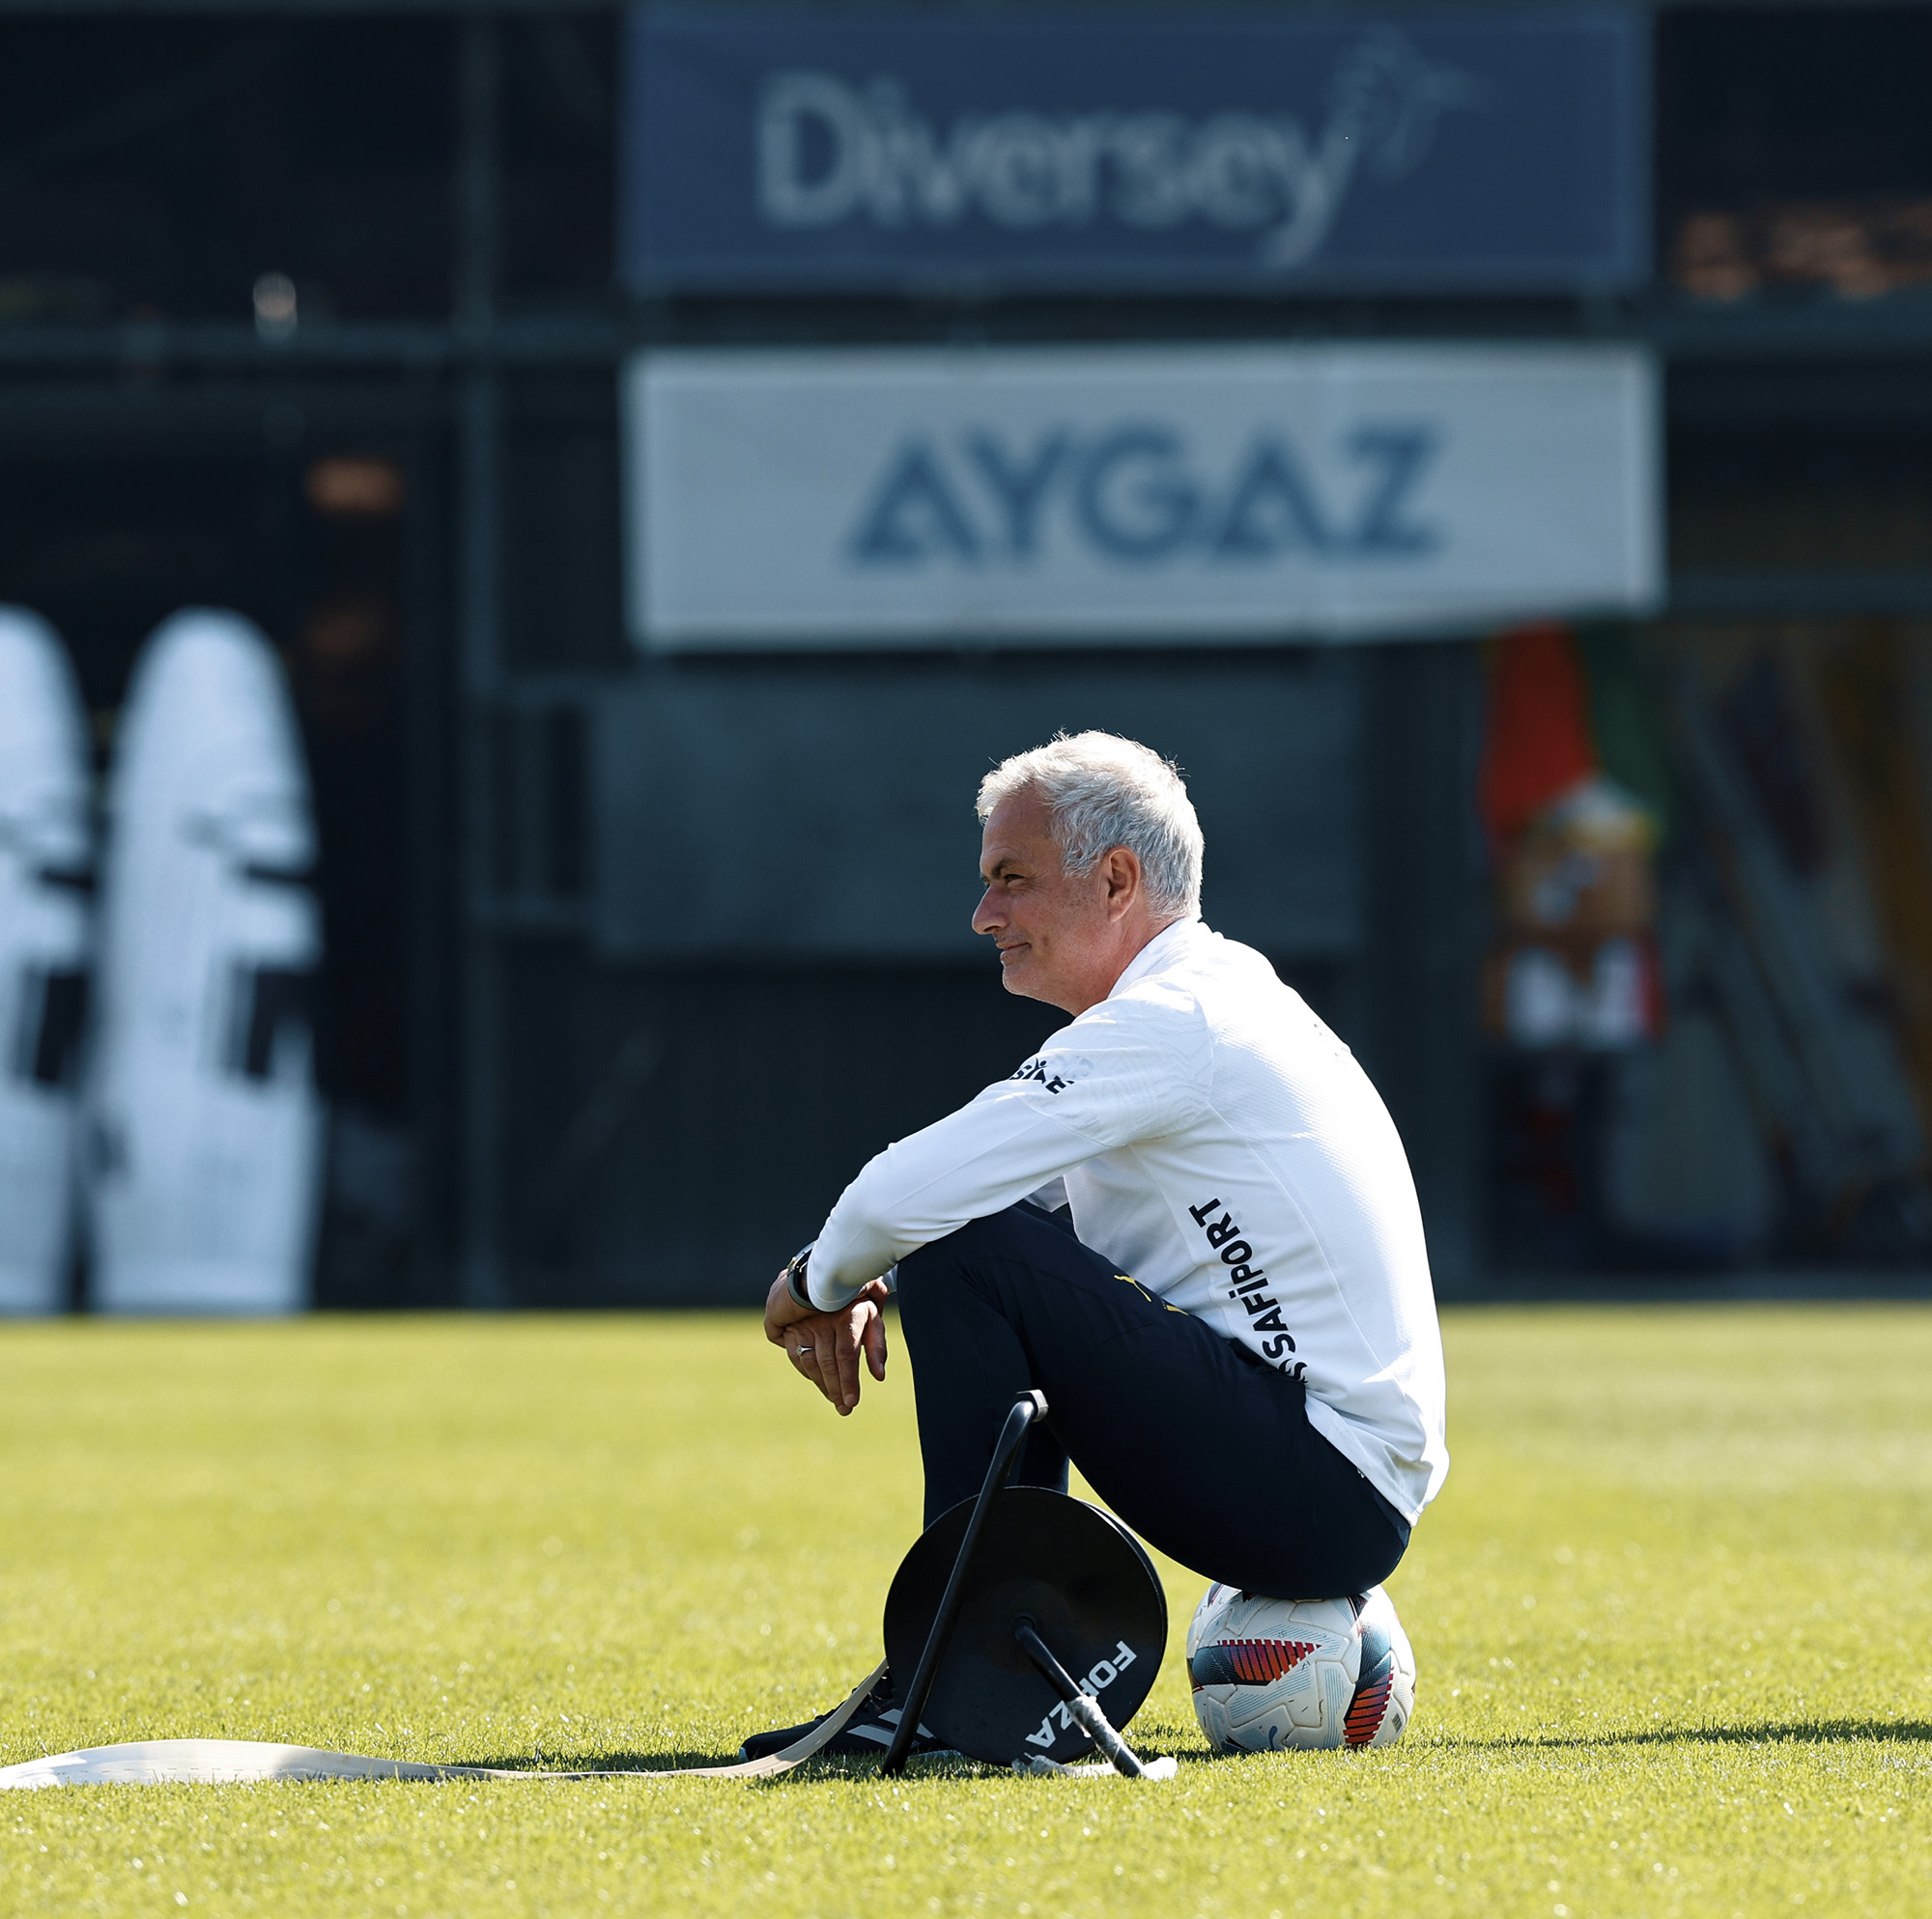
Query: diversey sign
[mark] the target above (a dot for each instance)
(831, 153)
(1069, 150)
(879, 496)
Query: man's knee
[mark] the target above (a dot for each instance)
(1021, 1233)
(984, 1257)
(949, 1260)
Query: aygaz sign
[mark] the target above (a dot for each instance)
(879, 496)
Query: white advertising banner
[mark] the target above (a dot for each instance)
(879, 496)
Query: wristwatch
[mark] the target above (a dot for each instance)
(794, 1278)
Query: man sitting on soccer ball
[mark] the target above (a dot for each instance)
(1235, 1334)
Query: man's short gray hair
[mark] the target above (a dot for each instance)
(1102, 791)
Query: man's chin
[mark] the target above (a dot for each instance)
(1016, 975)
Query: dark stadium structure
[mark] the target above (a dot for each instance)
(312, 311)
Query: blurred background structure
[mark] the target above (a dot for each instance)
(673, 451)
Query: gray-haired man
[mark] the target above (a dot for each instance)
(1236, 1337)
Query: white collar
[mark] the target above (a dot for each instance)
(1165, 947)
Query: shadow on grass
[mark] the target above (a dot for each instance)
(1769, 1733)
(663, 1765)
(677, 1760)
(557, 1764)
(1807, 1733)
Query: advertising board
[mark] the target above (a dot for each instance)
(878, 497)
(1502, 151)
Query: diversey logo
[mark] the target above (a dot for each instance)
(1134, 492)
(829, 152)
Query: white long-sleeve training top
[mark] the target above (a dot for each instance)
(1221, 1146)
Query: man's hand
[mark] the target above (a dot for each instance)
(824, 1347)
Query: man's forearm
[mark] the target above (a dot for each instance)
(973, 1163)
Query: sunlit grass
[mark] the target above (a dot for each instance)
(1673, 1620)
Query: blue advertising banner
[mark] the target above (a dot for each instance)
(1060, 150)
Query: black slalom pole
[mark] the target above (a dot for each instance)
(1029, 1406)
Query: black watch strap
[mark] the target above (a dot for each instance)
(795, 1279)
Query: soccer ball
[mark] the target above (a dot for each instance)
(1273, 1673)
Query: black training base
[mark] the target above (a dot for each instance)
(1090, 1591)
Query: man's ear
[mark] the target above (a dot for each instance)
(1123, 880)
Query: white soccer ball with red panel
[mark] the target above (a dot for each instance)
(1275, 1674)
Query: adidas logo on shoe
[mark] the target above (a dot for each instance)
(866, 1735)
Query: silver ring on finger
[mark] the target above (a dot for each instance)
(802, 1350)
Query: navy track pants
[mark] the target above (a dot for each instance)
(1197, 1444)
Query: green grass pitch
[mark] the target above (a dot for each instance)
(1673, 1618)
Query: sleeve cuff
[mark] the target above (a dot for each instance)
(839, 1296)
(843, 1296)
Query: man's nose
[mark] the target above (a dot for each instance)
(988, 918)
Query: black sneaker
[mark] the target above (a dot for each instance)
(866, 1735)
